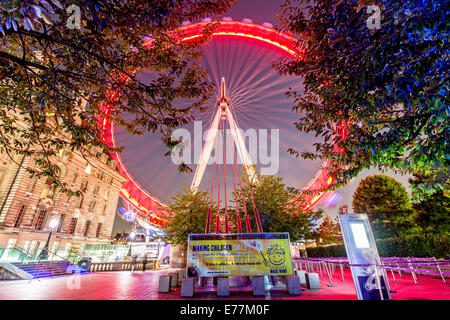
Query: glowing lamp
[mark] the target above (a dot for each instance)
(53, 223)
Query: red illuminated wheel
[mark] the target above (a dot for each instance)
(243, 52)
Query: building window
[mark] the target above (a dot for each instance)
(32, 184)
(73, 225)
(88, 169)
(86, 228)
(75, 177)
(107, 194)
(40, 220)
(112, 164)
(8, 249)
(84, 185)
(65, 155)
(92, 205)
(55, 247)
(19, 216)
(103, 209)
(61, 221)
(96, 189)
(67, 249)
(25, 246)
(33, 247)
(47, 192)
(80, 202)
(69, 196)
(99, 174)
(99, 228)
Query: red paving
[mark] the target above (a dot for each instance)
(144, 286)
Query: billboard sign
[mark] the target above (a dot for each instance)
(362, 253)
(240, 254)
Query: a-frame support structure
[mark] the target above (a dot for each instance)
(223, 113)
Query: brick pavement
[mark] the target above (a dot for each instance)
(144, 286)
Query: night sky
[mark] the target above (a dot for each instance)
(253, 108)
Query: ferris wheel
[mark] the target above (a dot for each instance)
(240, 57)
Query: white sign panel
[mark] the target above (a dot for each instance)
(370, 281)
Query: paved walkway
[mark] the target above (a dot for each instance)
(144, 286)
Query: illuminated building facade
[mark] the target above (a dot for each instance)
(28, 204)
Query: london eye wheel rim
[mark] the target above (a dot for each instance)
(150, 206)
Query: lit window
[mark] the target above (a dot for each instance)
(32, 184)
(40, 220)
(60, 224)
(73, 225)
(19, 217)
(44, 192)
(99, 228)
(88, 169)
(99, 174)
(80, 202)
(86, 228)
(92, 205)
(84, 185)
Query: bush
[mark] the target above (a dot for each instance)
(424, 245)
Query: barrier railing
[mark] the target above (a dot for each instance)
(120, 266)
(412, 265)
(64, 259)
(38, 266)
(16, 255)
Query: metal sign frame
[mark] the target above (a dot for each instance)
(370, 281)
(256, 242)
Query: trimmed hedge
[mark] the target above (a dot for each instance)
(426, 245)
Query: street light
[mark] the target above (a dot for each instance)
(159, 244)
(131, 236)
(345, 208)
(44, 253)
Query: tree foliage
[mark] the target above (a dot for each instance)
(328, 232)
(56, 77)
(189, 210)
(277, 212)
(387, 204)
(187, 215)
(386, 88)
(433, 211)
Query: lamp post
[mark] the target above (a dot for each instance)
(44, 253)
(343, 209)
(131, 236)
(158, 241)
